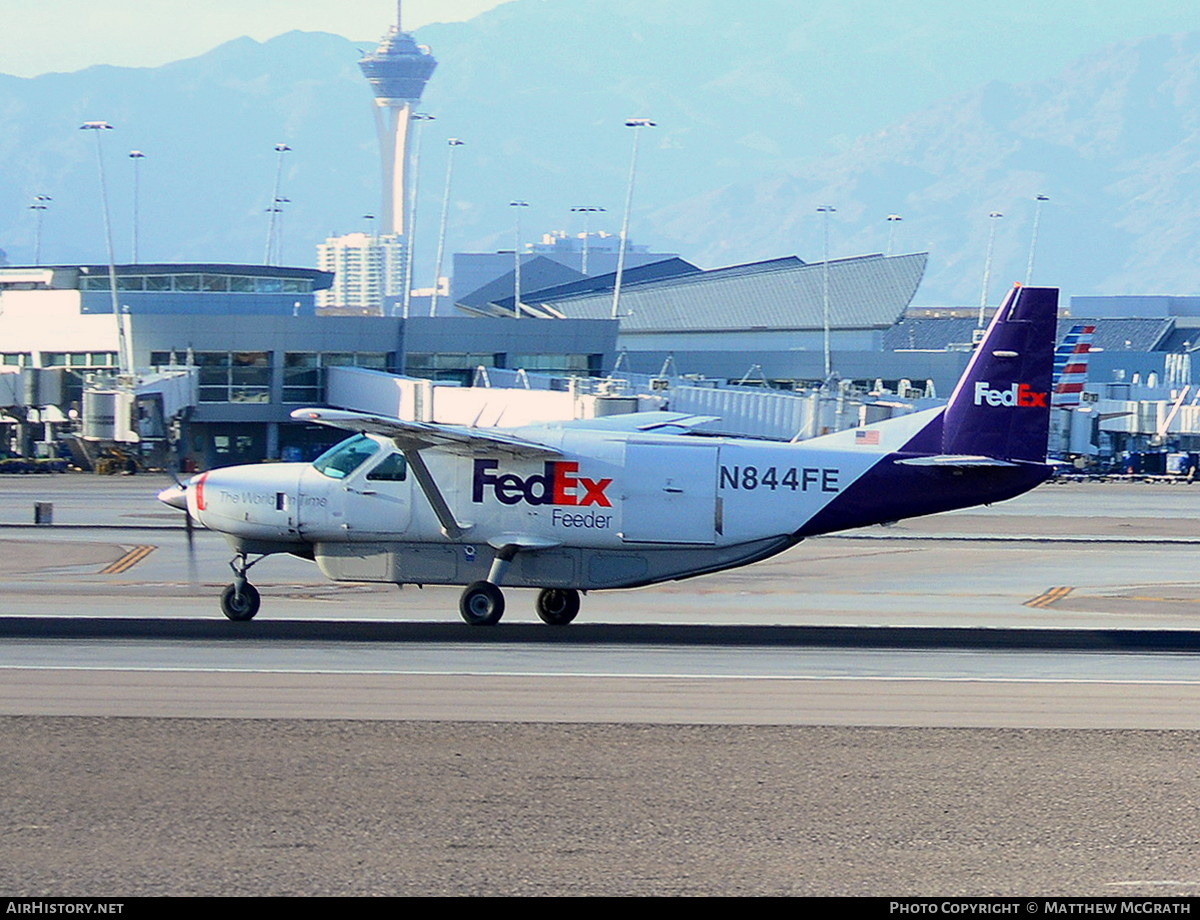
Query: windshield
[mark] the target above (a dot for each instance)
(343, 459)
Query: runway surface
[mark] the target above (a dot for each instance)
(975, 703)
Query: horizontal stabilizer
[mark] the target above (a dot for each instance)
(954, 461)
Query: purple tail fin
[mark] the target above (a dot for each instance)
(1001, 406)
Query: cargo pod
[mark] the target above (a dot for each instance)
(669, 496)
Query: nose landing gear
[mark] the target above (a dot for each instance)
(240, 601)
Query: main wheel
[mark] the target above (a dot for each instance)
(481, 604)
(243, 607)
(557, 606)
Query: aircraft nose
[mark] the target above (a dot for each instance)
(175, 496)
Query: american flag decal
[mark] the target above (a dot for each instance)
(866, 436)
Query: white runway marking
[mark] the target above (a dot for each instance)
(740, 663)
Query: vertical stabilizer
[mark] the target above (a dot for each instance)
(1071, 366)
(1001, 406)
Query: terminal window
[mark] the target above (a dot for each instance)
(552, 363)
(304, 372)
(85, 359)
(458, 366)
(213, 283)
(234, 376)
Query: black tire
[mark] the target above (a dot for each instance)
(557, 606)
(240, 608)
(481, 604)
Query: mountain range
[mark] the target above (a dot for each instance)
(941, 112)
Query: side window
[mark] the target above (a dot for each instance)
(394, 468)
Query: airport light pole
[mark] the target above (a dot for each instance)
(39, 208)
(637, 124)
(587, 232)
(826, 210)
(280, 150)
(987, 264)
(124, 365)
(1037, 220)
(893, 219)
(137, 156)
(452, 143)
(410, 231)
(273, 210)
(516, 206)
(277, 255)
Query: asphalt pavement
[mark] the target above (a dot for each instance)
(413, 789)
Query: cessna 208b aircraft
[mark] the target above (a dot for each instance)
(629, 500)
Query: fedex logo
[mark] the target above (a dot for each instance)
(1019, 394)
(558, 485)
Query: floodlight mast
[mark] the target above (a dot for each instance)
(410, 230)
(124, 363)
(39, 208)
(636, 124)
(137, 156)
(274, 209)
(826, 210)
(987, 264)
(516, 206)
(587, 212)
(1037, 221)
(452, 143)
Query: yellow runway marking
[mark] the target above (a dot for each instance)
(1050, 596)
(129, 560)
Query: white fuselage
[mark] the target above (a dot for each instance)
(601, 509)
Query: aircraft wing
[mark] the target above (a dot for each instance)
(454, 439)
(635, 422)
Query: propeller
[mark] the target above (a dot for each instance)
(176, 496)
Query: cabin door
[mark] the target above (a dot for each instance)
(670, 493)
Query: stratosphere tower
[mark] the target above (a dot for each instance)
(397, 70)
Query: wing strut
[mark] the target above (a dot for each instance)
(451, 527)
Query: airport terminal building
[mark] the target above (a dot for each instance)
(222, 353)
(252, 343)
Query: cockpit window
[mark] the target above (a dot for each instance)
(393, 468)
(343, 459)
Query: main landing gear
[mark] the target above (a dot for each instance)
(482, 604)
(557, 606)
(240, 600)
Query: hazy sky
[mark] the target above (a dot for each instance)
(40, 36)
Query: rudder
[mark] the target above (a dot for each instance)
(1001, 406)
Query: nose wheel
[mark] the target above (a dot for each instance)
(240, 605)
(240, 601)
